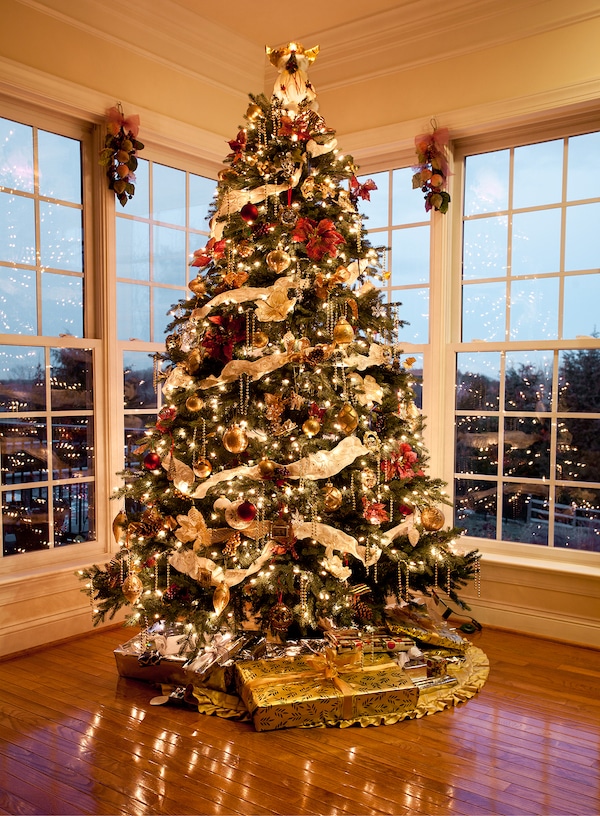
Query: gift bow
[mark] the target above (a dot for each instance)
(327, 666)
(217, 647)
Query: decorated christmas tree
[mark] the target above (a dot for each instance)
(283, 485)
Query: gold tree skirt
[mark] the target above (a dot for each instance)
(470, 676)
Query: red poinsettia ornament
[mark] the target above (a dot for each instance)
(319, 238)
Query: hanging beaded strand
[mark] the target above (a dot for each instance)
(478, 575)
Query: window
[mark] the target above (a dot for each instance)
(395, 218)
(47, 431)
(527, 455)
(156, 234)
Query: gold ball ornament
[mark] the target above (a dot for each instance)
(332, 497)
(280, 617)
(221, 597)
(132, 588)
(343, 333)
(235, 439)
(311, 427)
(194, 360)
(348, 419)
(254, 112)
(432, 519)
(260, 339)
(278, 260)
(197, 286)
(194, 403)
(202, 469)
(267, 468)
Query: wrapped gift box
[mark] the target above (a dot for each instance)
(156, 657)
(348, 641)
(322, 689)
(153, 657)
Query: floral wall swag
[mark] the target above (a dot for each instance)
(431, 174)
(119, 152)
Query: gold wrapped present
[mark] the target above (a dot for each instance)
(323, 689)
(346, 641)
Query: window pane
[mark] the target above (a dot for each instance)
(22, 379)
(169, 262)
(475, 507)
(18, 301)
(139, 205)
(61, 237)
(60, 167)
(485, 244)
(16, 156)
(484, 311)
(17, 229)
(24, 449)
(580, 310)
(408, 205)
(133, 311)
(415, 310)
(526, 447)
(376, 210)
(410, 256)
(579, 383)
(534, 309)
(72, 447)
(525, 514)
(71, 379)
(477, 445)
(164, 301)
(538, 174)
(168, 195)
(138, 375)
(486, 182)
(62, 305)
(477, 381)
(536, 242)
(202, 192)
(25, 525)
(577, 519)
(74, 513)
(416, 380)
(528, 381)
(580, 182)
(578, 449)
(133, 249)
(581, 252)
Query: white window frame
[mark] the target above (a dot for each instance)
(449, 342)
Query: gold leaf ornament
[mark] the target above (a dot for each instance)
(221, 597)
(275, 308)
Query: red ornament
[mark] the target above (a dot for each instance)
(151, 461)
(246, 511)
(249, 213)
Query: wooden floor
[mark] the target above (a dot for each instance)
(77, 739)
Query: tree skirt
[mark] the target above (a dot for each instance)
(470, 675)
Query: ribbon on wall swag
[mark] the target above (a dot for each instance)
(119, 153)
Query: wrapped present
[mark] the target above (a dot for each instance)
(323, 689)
(156, 656)
(347, 641)
(416, 621)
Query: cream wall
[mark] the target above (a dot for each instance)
(193, 99)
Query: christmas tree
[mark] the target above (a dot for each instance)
(284, 483)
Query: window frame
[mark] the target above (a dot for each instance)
(541, 129)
